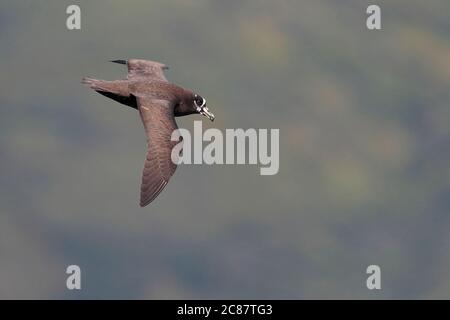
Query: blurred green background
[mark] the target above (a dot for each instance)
(364, 178)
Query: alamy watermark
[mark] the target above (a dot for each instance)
(73, 20)
(73, 281)
(374, 279)
(236, 146)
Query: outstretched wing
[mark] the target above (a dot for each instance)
(138, 68)
(159, 123)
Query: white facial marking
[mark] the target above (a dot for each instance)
(199, 106)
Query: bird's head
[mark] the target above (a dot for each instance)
(199, 104)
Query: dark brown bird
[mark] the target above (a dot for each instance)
(158, 101)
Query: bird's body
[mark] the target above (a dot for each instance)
(158, 101)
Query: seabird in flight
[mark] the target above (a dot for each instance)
(159, 102)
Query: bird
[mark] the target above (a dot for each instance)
(158, 101)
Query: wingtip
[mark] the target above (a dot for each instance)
(120, 61)
(143, 204)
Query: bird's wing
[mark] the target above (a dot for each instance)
(159, 123)
(138, 68)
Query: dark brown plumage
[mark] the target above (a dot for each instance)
(158, 101)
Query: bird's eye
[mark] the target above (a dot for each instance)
(198, 100)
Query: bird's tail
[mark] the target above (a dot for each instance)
(91, 82)
(116, 90)
(98, 85)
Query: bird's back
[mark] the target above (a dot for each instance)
(155, 89)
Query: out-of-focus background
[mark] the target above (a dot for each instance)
(364, 178)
